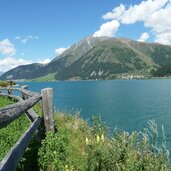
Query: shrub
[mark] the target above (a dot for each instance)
(68, 148)
(8, 83)
(53, 153)
(75, 146)
(10, 134)
(123, 151)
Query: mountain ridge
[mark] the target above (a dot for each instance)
(100, 58)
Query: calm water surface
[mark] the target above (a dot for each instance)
(126, 104)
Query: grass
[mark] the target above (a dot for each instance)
(2, 83)
(10, 134)
(49, 77)
(70, 140)
(6, 83)
(77, 147)
(5, 101)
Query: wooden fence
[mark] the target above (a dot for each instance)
(22, 106)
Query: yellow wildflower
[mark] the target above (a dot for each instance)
(66, 167)
(102, 138)
(87, 141)
(98, 138)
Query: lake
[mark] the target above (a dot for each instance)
(125, 104)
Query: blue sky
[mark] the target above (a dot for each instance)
(31, 30)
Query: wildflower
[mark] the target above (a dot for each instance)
(102, 138)
(98, 138)
(66, 167)
(87, 141)
(72, 168)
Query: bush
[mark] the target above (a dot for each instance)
(8, 83)
(123, 151)
(65, 149)
(10, 134)
(53, 153)
(161, 72)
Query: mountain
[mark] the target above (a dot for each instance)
(79, 49)
(72, 54)
(1, 73)
(113, 57)
(99, 58)
(23, 72)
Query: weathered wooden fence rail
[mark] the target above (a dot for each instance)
(24, 105)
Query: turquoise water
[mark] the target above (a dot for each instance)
(126, 104)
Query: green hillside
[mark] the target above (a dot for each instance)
(98, 58)
(114, 57)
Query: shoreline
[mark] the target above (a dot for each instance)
(153, 78)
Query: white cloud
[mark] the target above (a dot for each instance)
(107, 29)
(9, 63)
(32, 37)
(7, 48)
(160, 19)
(44, 61)
(143, 37)
(163, 38)
(59, 51)
(136, 12)
(27, 38)
(116, 13)
(155, 14)
(160, 23)
(142, 11)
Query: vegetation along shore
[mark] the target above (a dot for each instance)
(77, 146)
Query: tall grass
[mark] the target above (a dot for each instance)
(77, 147)
(6, 83)
(10, 134)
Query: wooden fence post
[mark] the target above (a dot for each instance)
(48, 109)
(24, 96)
(10, 91)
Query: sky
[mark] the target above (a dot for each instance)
(39, 30)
